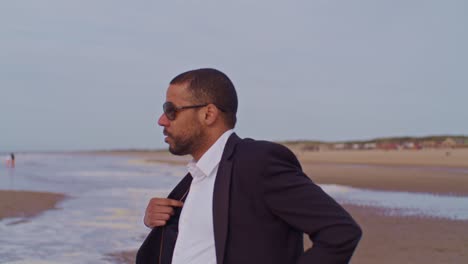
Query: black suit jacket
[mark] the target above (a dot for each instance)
(262, 205)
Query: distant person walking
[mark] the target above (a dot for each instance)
(10, 162)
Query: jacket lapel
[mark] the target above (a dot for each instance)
(221, 196)
(159, 244)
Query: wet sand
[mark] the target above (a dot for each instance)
(393, 239)
(126, 257)
(27, 204)
(410, 239)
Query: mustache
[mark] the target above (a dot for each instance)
(166, 133)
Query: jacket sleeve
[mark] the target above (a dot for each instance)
(294, 198)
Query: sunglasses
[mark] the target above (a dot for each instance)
(170, 110)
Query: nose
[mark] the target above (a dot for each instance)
(163, 120)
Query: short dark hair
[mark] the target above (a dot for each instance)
(211, 86)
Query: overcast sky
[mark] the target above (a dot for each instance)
(93, 74)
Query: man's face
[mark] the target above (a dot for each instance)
(185, 133)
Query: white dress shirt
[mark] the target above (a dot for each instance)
(195, 242)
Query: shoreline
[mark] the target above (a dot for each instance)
(453, 158)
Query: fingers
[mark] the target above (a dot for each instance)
(152, 221)
(159, 211)
(166, 202)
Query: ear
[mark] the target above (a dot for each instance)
(211, 114)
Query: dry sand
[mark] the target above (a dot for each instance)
(407, 170)
(425, 157)
(390, 178)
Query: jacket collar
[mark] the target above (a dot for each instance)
(221, 197)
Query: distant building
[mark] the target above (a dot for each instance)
(460, 142)
(310, 148)
(339, 146)
(448, 143)
(324, 147)
(388, 146)
(370, 145)
(428, 144)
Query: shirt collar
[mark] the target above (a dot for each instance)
(208, 162)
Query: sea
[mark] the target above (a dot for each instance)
(107, 196)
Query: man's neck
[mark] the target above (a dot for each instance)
(207, 145)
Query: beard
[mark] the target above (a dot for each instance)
(186, 143)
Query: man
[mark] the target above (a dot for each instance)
(243, 201)
(12, 160)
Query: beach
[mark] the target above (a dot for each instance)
(388, 237)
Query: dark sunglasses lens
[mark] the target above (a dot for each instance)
(169, 110)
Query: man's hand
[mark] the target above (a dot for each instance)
(159, 210)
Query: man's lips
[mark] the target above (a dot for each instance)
(166, 134)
